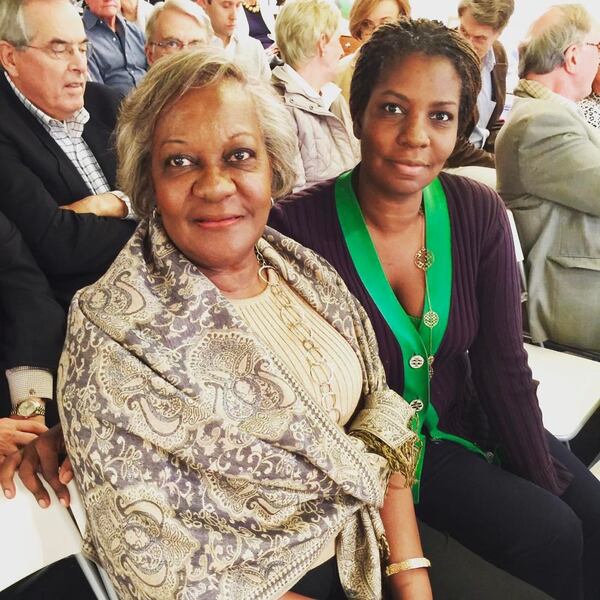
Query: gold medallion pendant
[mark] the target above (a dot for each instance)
(424, 259)
(431, 319)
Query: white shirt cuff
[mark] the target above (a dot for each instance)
(24, 382)
(125, 198)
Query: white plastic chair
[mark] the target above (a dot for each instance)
(34, 538)
(485, 175)
(569, 390)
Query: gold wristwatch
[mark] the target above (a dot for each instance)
(31, 407)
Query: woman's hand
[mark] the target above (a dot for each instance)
(16, 432)
(101, 205)
(43, 455)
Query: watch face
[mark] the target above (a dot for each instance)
(28, 408)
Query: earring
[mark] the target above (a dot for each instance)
(272, 202)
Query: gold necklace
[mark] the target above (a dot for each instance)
(251, 7)
(320, 370)
(424, 258)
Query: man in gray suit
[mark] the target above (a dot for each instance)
(548, 167)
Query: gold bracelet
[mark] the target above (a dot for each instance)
(407, 565)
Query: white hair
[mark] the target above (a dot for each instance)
(187, 7)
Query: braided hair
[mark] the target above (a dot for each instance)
(392, 43)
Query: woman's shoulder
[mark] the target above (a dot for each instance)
(470, 200)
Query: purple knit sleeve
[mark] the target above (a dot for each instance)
(499, 362)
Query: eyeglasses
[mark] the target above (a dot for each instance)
(595, 44)
(63, 50)
(175, 44)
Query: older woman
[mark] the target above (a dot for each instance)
(365, 17)
(430, 257)
(307, 34)
(222, 402)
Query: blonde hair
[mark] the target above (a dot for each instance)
(299, 26)
(186, 7)
(167, 81)
(361, 10)
(543, 52)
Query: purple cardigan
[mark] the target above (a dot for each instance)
(482, 387)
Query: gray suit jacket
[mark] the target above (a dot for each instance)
(548, 168)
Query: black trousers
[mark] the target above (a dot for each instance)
(321, 583)
(551, 542)
(456, 574)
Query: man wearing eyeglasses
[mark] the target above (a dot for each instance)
(175, 25)
(481, 22)
(57, 167)
(548, 166)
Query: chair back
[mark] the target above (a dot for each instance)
(33, 537)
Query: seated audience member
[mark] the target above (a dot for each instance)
(258, 20)
(55, 146)
(241, 422)
(137, 12)
(245, 50)
(430, 257)
(173, 26)
(365, 17)
(31, 338)
(482, 22)
(117, 56)
(548, 162)
(307, 33)
(590, 105)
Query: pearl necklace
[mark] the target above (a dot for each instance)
(251, 7)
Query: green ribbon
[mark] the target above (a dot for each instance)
(414, 341)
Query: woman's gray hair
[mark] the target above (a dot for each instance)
(13, 28)
(166, 82)
(493, 13)
(545, 51)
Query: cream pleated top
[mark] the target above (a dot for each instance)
(262, 315)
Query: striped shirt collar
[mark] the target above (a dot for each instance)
(74, 125)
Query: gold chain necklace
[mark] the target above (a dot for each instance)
(424, 258)
(251, 7)
(320, 370)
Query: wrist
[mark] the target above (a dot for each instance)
(408, 564)
(31, 407)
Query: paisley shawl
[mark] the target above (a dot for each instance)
(206, 469)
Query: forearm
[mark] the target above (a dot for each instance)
(400, 524)
(102, 205)
(399, 521)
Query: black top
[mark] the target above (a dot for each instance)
(36, 177)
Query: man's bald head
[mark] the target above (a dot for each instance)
(550, 35)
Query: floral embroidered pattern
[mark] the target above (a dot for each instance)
(206, 469)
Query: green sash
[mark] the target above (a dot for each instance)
(414, 342)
